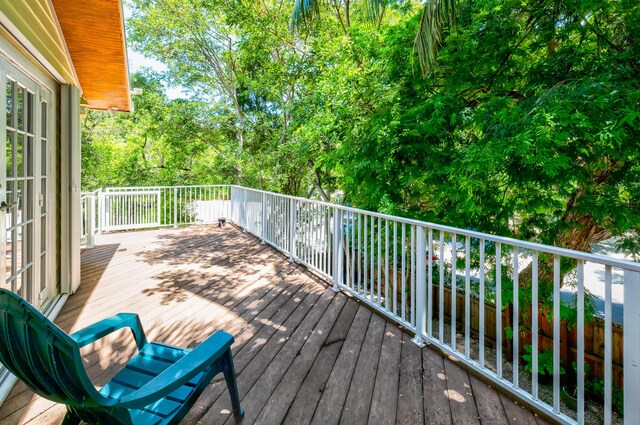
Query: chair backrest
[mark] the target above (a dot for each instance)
(43, 356)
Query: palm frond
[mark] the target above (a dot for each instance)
(436, 15)
(376, 8)
(303, 13)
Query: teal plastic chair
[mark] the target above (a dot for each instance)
(158, 386)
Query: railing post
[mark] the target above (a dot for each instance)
(631, 347)
(91, 200)
(244, 209)
(229, 204)
(96, 206)
(421, 290)
(292, 230)
(101, 211)
(229, 190)
(230, 209)
(263, 219)
(175, 206)
(337, 248)
(83, 214)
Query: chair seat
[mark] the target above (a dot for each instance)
(152, 360)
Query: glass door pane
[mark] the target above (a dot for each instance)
(44, 280)
(19, 150)
(25, 187)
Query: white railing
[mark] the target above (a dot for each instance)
(478, 297)
(127, 208)
(89, 218)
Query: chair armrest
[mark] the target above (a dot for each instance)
(114, 323)
(178, 374)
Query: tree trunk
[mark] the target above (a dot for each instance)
(583, 233)
(240, 135)
(318, 184)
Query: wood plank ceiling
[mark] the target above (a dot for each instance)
(95, 36)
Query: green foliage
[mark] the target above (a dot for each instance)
(163, 142)
(545, 361)
(508, 331)
(595, 387)
(526, 126)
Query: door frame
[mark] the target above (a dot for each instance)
(13, 61)
(21, 57)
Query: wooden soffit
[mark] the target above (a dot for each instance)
(95, 37)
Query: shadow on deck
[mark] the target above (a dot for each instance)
(303, 353)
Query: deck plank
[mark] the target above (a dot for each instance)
(303, 354)
(358, 403)
(410, 392)
(334, 395)
(282, 397)
(313, 304)
(518, 414)
(461, 401)
(490, 409)
(434, 381)
(267, 381)
(384, 401)
(251, 341)
(306, 400)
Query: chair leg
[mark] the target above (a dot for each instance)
(232, 385)
(71, 418)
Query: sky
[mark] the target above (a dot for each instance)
(137, 61)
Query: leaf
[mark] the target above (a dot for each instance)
(436, 14)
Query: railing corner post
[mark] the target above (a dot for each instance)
(292, 230)
(337, 248)
(631, 347)
(175, 207)
(101, 211)
(421, 290)
(263, 219)
(91, 221)
(244, 210)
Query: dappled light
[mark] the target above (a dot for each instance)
(455, 396)
(302, 352)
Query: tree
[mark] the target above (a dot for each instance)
(436, 15)
(253, 78)
(533, 134)
(527, 125)
(163, 142)
(193, 39)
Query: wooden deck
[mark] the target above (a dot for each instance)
(303, 353)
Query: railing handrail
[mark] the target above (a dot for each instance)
(129, 188)
(140, 192)
(534, 246)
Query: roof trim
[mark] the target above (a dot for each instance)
(126, 55)
(66, 48)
